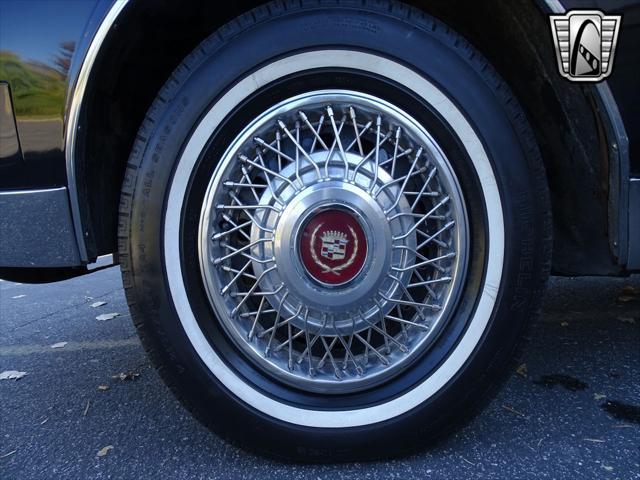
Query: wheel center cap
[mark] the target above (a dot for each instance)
(333, 247)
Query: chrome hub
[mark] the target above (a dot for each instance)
(348, 297)
(333, 241)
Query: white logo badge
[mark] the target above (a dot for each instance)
(585, 43)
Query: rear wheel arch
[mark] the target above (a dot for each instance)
(140, 54)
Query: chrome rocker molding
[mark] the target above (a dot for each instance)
(73, 116)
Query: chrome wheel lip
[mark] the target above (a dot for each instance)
(322, 385)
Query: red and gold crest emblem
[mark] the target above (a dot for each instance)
(333, 247)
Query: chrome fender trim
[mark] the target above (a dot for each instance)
(73, 116)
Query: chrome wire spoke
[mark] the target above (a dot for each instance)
(337, 132)
(292, 224)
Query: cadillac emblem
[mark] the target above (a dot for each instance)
(334, 244)
(333, 247)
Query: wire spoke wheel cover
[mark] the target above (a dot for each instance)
(333, 241)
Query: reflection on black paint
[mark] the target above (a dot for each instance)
(38, 92)
(38, 89)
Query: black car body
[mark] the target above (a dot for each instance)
(73, 98)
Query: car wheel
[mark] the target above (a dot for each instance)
(334, 227)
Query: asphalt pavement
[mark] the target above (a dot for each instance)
(93, 407)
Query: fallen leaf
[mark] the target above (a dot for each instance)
(103, 388)
(12, 375)
(599, 396)
(18, 296)
(104, 450)
(59, 345)
(522, 370)
(626, 298)
(97, 304)
(564, 324)
(627, 320)
(122, 376)
(107, 316)
(630, 290)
